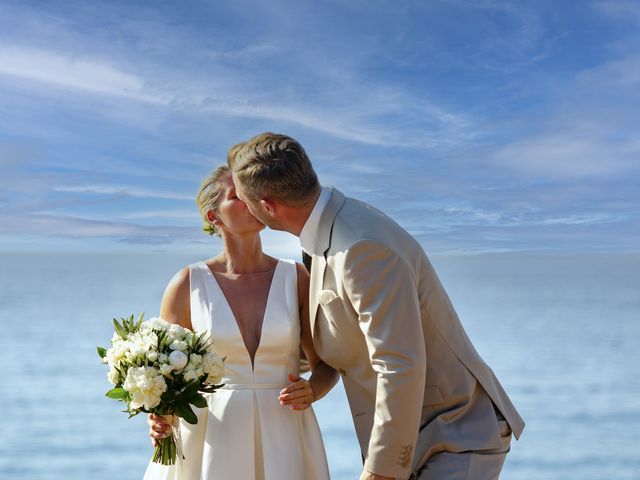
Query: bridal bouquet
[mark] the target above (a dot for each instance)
(162, 368)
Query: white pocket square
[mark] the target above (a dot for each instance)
(326, 296)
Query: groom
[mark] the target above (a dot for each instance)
(424, 404)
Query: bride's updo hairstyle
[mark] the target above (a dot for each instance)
(210, 195)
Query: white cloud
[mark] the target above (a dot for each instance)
(74, 72)
(122, 190)
(569, 154)
(355, 120)
(180, 214)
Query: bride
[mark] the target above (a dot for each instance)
(260, 424)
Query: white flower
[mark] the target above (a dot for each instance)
(178, 360)
(166, 370)
(156, 323)
(145, 385)
(175, 332)
(117, 353)
(213, 366)
(163, 358)
(326, 296)
(195, 360)
(113, 376)
(139, 344)
(178, 345)
(192, 374)
(152, 356)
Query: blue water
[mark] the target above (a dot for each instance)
(562, 334)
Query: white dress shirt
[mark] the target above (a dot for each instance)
(310, 229)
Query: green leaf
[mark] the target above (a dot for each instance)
(198, 400)
(191, 388)
(102, 352)
(119, 329)
(184, 410)
(116, 393)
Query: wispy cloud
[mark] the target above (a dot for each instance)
(74, 72)
(123, 191)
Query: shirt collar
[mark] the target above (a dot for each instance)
(310, 230)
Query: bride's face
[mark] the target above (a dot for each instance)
(232, 214)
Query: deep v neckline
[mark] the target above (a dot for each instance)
(233, 316)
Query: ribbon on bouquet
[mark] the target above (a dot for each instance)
(175, 428)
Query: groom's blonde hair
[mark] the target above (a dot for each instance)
(274, 166)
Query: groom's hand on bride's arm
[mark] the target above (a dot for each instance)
(298, 395)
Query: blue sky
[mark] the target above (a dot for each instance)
(481, 126)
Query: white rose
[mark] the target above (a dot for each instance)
(166, 370)
(178, 360)
(152, 356)
(178, 345)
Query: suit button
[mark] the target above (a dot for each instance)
(342, 372)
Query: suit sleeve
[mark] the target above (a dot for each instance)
(382, 289)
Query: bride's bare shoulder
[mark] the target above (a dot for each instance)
(175, 306)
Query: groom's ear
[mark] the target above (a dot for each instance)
(268, 206)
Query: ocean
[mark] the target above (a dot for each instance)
(562, 333)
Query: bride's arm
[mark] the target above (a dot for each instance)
(301, 393)
(174, 309)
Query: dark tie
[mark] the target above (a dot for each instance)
(306, 259)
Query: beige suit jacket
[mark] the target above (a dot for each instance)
(379, 314)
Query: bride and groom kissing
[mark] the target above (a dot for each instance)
(371, 310)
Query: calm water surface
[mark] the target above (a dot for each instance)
(561, 333)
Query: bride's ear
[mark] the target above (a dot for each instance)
(213, 220)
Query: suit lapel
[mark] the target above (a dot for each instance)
(320, 248)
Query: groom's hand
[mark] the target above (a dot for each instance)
(297, 396)
(372, 476)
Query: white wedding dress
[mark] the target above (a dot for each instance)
(245, 433)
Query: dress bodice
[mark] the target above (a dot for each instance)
(278, 351)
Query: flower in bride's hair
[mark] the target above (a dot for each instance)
(145, 386)
(178, 360)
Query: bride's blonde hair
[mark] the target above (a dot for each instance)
(210, 195)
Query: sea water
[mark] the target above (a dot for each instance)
(562, 333)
